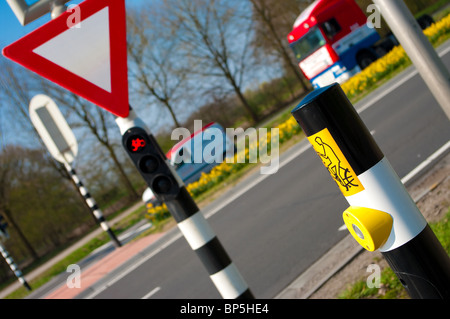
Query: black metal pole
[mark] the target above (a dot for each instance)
(382, 215)
(168, 187)
(95, 210)
(15, 269)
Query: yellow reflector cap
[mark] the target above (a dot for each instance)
(370, 227)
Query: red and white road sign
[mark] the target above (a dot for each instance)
(89, 57)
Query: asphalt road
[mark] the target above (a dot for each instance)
(283, 224)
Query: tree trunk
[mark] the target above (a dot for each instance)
(123, 175)
(281, 48)
(237, 90)
(172, 113)
(255, 117)
(13, 223)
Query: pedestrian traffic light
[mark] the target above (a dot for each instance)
(151, 163)
(3, 224)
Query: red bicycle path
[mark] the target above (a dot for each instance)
(101, 268)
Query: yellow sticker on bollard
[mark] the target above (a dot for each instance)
(336, 163)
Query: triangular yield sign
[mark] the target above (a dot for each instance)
(88, 58)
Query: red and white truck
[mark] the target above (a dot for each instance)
(332, 40)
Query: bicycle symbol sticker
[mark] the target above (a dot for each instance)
(336, 163)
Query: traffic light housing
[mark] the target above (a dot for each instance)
(3, 232)
(151, 163)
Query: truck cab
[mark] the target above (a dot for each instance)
(332, 41)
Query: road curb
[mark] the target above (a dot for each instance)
(322, 270)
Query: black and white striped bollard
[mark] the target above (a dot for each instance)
(381, 215)
(203, 240)
(168, 187)
(15, 269)
(95, 210)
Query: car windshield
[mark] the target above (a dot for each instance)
(309, 43)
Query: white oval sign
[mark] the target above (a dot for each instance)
(53, 129)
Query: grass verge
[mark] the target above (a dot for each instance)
(391, 288)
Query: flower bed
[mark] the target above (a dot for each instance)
(392, 61)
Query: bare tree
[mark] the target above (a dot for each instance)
(16, 90)
(18, 86)
(215, 40)
(10, 159)
(274, 20)
(39, 206)
(154, 62)
(100, 124)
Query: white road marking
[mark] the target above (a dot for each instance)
(433, 156)
(396, 85)
(387, 91)
(133, 267)
(151, 293)
(297, 153)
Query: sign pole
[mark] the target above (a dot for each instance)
(381, 215)
(95, 210)
(15, 269)
(4, 235)
(408, 32)
(169, 188)
(26, 13)
(62, 145)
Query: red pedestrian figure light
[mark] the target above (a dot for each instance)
(137, 144)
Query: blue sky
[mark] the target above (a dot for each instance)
(12, 30)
